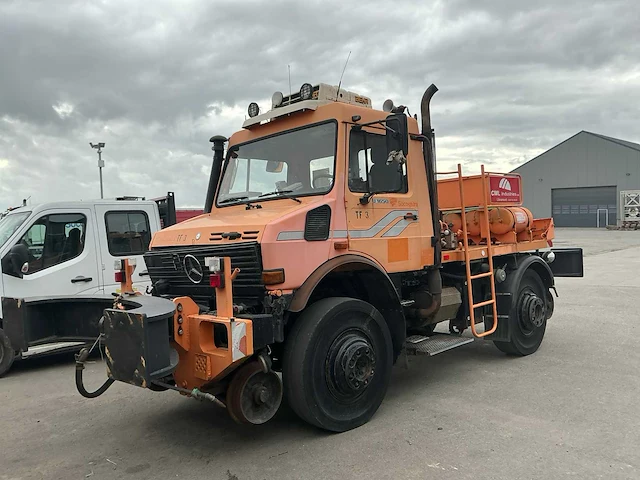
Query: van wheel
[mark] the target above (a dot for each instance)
(7, 355)
(528, 317)
(337, 363)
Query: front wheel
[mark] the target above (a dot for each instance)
(337, 363)
(527, 317)
(7, 354)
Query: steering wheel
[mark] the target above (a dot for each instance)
(319, 176)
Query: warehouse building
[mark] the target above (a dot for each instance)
(578, 182)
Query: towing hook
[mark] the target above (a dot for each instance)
(80, 359)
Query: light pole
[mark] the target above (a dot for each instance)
(99, 147)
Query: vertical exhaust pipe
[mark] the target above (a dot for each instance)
(428, 150)
(218, 157)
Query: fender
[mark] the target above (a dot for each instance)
(302, 294)
(380, 292)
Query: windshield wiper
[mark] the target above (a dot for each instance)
(233, 199)
(281, 193)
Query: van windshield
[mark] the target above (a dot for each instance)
(9, 224)
(294, 163)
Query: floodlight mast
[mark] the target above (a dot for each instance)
(99, 146)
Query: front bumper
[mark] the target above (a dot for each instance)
(154, 338)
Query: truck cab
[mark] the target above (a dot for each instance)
(60, 250)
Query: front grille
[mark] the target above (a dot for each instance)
(166, 264)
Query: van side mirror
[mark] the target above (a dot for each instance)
(16, 262)
(397, 136)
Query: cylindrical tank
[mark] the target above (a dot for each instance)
(453, 220)
(501, 220)
(508, 219)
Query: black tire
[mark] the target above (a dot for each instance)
(330, 379)
(526, 338)
(7, 355)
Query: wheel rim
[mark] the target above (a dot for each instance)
(350, 365)
(531, 312)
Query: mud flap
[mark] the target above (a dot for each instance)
(137, 341)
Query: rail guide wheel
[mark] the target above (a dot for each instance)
(254, 395)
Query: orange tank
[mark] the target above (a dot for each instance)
(502, 220)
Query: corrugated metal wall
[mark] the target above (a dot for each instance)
(584, 160)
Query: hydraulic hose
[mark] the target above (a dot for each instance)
(80, 359)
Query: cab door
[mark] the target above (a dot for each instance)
(62, 256)
(386, 225)
(124, 231)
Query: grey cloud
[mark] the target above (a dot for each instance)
(155, 80)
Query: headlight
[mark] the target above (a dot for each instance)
(254, 109)
(306, 90)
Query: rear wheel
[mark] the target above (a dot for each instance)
(7, 354)
(337, 363)
(528, 316)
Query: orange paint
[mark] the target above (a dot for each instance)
(398, 249)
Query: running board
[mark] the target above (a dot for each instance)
(435, 344)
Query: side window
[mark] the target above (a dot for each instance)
(368, 169)
(321, 173)
(54, 239)
(128, 233)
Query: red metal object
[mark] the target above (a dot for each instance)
(186, 214)
(505, 189)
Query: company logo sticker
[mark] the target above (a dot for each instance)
(505, 189)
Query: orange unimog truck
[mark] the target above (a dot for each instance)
(327, 249)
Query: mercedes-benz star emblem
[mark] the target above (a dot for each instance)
(192, 268)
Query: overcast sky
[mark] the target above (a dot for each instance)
(155, 80)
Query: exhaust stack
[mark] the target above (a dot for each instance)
(218, 157)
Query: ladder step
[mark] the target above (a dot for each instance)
(483, 304)
(435, 344)
(481, 275)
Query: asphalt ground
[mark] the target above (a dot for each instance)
(568, 411)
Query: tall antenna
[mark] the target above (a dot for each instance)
(345, 67)
(289, 84)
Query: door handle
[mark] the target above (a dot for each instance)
(410, 216)
(144, 274)
(81, 279)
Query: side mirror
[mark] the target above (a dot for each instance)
(274, 167)
(398, 139)
(16, 262)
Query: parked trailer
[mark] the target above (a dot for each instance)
(328, 248)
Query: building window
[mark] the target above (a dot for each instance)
(128, 233)
(54, 239)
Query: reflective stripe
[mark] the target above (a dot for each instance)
(381, 225)
(398, 228)
(374, 230)
(294, 235)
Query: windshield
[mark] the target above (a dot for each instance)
(9, 224)
(294, 163)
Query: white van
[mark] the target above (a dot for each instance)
(72, 248)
